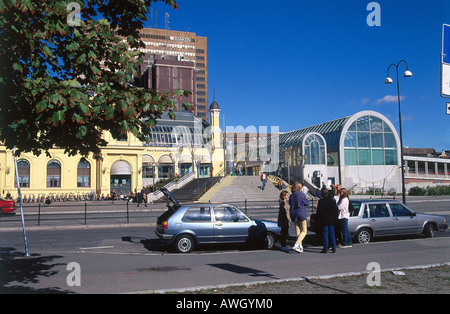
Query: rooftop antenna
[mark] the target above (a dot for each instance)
(166, 32)
(167, 22)
(151, 18)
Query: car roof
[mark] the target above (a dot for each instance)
(206, 204)
(375, 201)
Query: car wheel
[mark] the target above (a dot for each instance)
(428, 231)
(364, 236)
(270, 240)
(184, 243)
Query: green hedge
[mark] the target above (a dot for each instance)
(435, 190)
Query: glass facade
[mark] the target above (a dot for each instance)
(370, 141)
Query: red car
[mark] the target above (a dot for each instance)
(7, 206)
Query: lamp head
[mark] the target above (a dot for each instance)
(407, 73)
(388, 80)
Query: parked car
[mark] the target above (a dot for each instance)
(378, 218)
(185, 226)
(7, 206)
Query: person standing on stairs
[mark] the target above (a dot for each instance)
(263, 180)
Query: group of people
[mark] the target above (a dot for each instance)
(136, 197)
(332, 214)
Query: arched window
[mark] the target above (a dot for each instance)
(147, 166)
(83, 174)
(315, 150)
(53, 174)
(370, 141)
(23, 169)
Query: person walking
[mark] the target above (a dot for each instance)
(239, 169)
(344, 215)
(284, 220)
(327, 214)
(263, 180)
(298, 203)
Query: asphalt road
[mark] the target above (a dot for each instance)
(128, 258)
(103, 213)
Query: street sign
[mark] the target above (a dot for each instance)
(445, 61)
(446, 44)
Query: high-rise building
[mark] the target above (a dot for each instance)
(177, 60)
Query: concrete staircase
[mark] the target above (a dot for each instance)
(215, 189)
(240, 188)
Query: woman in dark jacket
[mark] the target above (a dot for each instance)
(327, 213)
(283, 220)
(298, 203)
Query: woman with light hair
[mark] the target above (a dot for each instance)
(298, 203)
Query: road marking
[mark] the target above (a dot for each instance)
(96, 247)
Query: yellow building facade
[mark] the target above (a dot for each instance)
(127, 166)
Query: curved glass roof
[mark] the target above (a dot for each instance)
(382, 138)
(331, 131)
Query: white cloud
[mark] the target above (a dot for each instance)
(408, 117)
(389, 99)
(365, 101)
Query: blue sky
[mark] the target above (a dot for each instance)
(298, 63)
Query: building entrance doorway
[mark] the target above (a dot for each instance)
(120, 179)
(120, 183)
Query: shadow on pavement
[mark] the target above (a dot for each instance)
(17, 271)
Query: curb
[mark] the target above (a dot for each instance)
(193, 289)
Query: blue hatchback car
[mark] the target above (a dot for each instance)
(185, 226)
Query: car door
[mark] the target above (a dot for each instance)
(198, 219)
(405, 221)
(381, 219)
(230, 224)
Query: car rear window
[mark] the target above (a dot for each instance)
(354, 208)
(197, 214)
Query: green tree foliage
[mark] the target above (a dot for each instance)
(62, 85)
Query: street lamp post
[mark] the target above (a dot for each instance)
(388, 80)
(154, 166)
